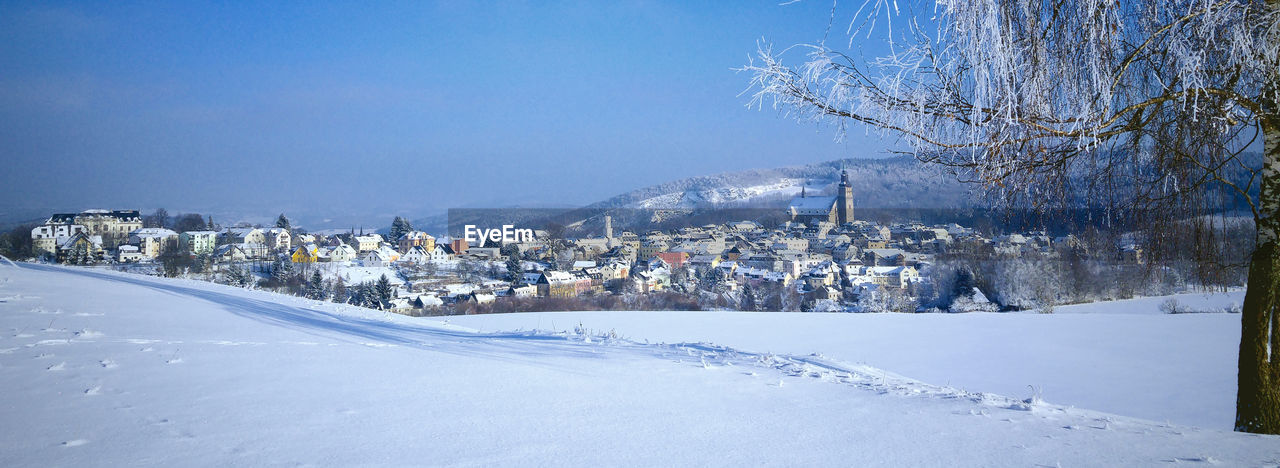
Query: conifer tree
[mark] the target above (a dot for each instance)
(400, 227)
(315, 287)
(514, 266)
(281, 270)
(382, 291)
(749, 302)
(964, 284)
(339, 290)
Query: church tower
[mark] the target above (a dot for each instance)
(844, 200)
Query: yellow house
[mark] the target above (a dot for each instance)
(304, 254)
(416, 239)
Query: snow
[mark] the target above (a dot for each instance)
(179, 372)
(722, 195)
(1199, 302)
(1143, 363)
(353, 273)
(809, 204)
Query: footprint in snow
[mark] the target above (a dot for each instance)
(108, 364)
(74, 443)
(95, 390)
(174, 361)
(57, 367)
(88, 334)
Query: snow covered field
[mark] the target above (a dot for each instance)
(1134, 360)
(111, 369)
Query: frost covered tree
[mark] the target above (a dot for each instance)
(361, 294)
(339, 290)
(281, 271)
(238, 276)
(315, 288)
(1149, 105)
(749, 302)
(80, 255)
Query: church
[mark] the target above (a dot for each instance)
(812, 210)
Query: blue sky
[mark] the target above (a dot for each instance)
(389, 107)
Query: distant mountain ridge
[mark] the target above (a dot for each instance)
(896, 182)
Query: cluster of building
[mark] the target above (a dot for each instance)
(822, 251)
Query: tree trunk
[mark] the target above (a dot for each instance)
(1258, 392)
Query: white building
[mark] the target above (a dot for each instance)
(47, 238)
(277, 239)
(198, 242)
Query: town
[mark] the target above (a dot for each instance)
(821, 259)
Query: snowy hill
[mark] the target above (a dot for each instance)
(880, 183)
(109, 369)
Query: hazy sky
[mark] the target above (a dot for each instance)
(407, 107)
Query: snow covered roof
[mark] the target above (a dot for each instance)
(223, 249)
(416, 235)
(123, 215)
(151, 233)
(427, 300)
(812, 203)
(886, 270)
(557, 276)
(61, 218)
(885, 252)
